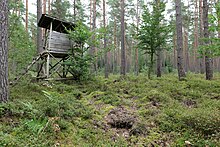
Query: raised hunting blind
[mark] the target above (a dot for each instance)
(55, 49)
(56, 46)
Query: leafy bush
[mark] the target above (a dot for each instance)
(80, 59)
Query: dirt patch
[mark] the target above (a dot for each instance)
(121, 118)
(190, 103)
(122, 121)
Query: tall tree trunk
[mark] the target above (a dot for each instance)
(186, 35)
(106, 53)
(136, 50)
(127, 59)
(181, 72)
(208, 59)
(91, 1)
(49, 7)
(45, 7)
(201, 35)
(39, 30)
(174, 50)
(123, 58)
(4, 92)
(44, 12)
(26, 21)
(159, 63)
(196, 38)
(218, 16)
(94, 36)
(74, 10)
(115, 47)
(151, 65)
(159, 53)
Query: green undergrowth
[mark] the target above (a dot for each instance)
(167, 112)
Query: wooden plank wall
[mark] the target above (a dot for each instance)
(59, 42)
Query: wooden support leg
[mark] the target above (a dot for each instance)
(40, 69)
(64, 69)
(48, 66)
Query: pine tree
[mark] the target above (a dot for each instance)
(105, 41)
(201, 35)
(49, 6)
(208, 59)
(181, 72)
(4, 92)
(39, 31)
(123, 57)
(159, 52)
(44, 6)
(136, 50)
(26, 21)
(196, 37)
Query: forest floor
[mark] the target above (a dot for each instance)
(128, 111)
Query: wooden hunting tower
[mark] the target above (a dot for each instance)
(56, 46)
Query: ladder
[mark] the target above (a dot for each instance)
(26, 70)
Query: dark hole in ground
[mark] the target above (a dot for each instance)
(190, 103)
(120, 118)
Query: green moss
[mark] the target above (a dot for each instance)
(78, 107)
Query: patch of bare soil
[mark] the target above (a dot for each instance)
(190, 103)
(124, 122)
(121, 118)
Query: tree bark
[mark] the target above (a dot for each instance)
(181, 72)
(201, 34)
(208, 59)
(93, 49)
(136, 50)
(45, 7)
(186, 41)
(49, 7)
(74, 10)
(174, 50)
(218, 17)
(151, 65)
(105, 41)
(115, 47)
(186, 36)
(39, 30)
(90, 24)
(123, 58)
(159, 52)
(159, 63)
(26, 21)
(4, 92)
(196, 38)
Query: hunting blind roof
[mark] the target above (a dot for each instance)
(57, 24)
